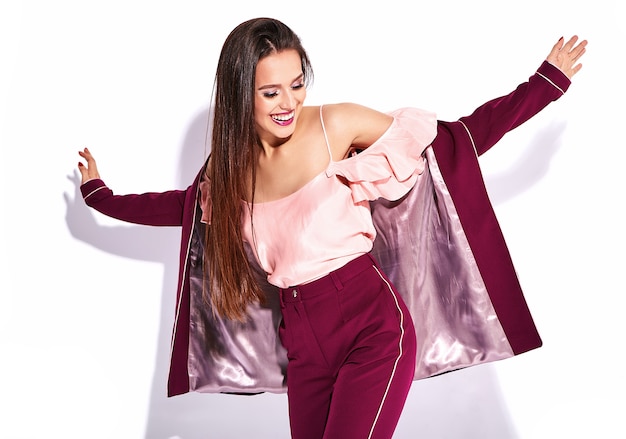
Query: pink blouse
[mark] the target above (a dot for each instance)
(327, 222)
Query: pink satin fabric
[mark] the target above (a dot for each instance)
(327, 223)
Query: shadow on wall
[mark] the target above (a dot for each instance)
(530, 168)
(432, 402)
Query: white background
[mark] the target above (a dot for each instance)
(87, 302)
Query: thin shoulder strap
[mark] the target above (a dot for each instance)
(330, 154)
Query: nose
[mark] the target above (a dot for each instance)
(288, 101)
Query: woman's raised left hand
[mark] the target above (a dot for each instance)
(565, 56)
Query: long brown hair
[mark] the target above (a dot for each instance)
(234, 153)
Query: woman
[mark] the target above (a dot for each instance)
(288, 189)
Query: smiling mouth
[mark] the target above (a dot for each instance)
(284, 118)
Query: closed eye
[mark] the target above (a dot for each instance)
(272, 90)
(274, 93)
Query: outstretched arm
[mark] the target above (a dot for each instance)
(152, 208)
(492, 120)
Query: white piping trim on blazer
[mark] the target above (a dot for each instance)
(548, 79)
(470, 136)
(93, 192)
(182, 280)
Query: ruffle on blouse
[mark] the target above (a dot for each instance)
(389, 168)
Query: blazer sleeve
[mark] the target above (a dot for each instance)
(489, 122)
(151, 208)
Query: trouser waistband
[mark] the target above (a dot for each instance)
(333, 281)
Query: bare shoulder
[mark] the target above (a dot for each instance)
(350, 113)
(355, 124)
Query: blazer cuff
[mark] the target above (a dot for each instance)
(554, 76)
(90, 187)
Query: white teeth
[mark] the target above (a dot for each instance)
(283, 117)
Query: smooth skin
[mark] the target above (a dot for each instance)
(294, 147)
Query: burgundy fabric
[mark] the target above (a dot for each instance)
(351, 343)
(459, 166)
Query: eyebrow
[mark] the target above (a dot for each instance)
(264, 87)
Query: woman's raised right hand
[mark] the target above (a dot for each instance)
(90, 170)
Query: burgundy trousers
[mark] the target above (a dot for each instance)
(351, 347)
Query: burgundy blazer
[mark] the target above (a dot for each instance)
(441, 246)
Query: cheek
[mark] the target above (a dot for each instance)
(302, 95)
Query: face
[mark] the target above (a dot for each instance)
(279, 96)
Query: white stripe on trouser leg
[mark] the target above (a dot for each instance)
(395, 365)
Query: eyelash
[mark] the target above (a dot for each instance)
(275, 93)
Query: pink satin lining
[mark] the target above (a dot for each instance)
(422, 248)
(420, 244)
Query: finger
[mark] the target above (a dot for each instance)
(84, 172)
(86, 154)
(579, 49)
(570, 43)
(556, 48)
(575, 69)
(90, 169)
(91, 161)
(578, 55)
